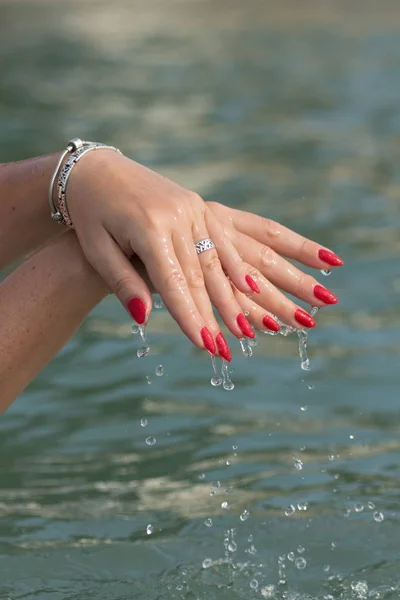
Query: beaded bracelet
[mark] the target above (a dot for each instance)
(78, 149)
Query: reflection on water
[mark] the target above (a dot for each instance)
(127, 478)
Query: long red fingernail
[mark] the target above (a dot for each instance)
(270, 323)
(137, 310)
(330, 257)
(252, 284)
(208, 340)
(244, 325)
(304, 318)
(325, 295)
(223, 347)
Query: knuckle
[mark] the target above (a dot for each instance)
(213, 263)
(271, 228)
(175, 280)
(195, 278)
(267, 256)
(122, 285)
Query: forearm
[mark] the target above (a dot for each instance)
(42, 303)
(25, 222)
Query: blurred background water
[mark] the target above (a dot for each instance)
(287, 487)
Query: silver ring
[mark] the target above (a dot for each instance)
(204, 245)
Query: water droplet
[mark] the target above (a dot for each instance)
(159, 371)
(333, 545)
(291, 556)
(235, 447)
(232, 546)
(378, 517)
(149, 529)
(268, 591)
(358, 507)
(252, 549)
(143, 333)
(302, 506)
(302, 336)
(202, 475)
(250, 538)
(297, 463)
(314, 310)
(331, 457)
(143, 351)
(301, 549)
(304, 408)
(347, 512)
(148, 379)
(253, 342)
(254, 584)
(351, 436)
(207, 563)
(151, 440)
(212, 493)
(143, 422)
(158, 303)
(300, 562)
(290, 510)
(245, 515)
(135, 329)
(311, 386)
(228, 462)
(208, 522)
(215, 380)
(246, 348)
(216, 485)
(226, 382)
(327, 568)
(326, 272)
(225, 505)
(371, 505)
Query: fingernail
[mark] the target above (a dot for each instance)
(252, 284)
(330, 257)
(304, 318)
(137, 310)
(223, 347)
(244, 325)
(208, 340)
(325, 295)
(270, 323)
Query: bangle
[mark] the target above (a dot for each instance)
(71, 147)
(78, 149)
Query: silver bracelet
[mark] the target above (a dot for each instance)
(81, 148)
(72, 145)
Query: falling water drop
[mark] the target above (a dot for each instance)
(215, 380)
(207, 562)
(142, 352)
(378, 516)
(208, 522)
(245, 515)
(246, 348)
(268, 591)
(254, 584)
(135, 329)
(143, 422)
(159, 371)
(151, 440)
(326, 272)
(300, 562)
(158, 303)
(302, 335)
(225, 505)
(149, 529)
(226, 381)
(291, 556)
(253, 342)
(290, 510)
(314, 310)
(143, 333)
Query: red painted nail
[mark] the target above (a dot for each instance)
(325, 295)
(223, 347)
(244, 325)
(304, 318)
(208, 340)
(137, 310)
(330, 257)
(270, 323)
(252, 284)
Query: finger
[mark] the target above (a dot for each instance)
(219, 288)
(281, 272)
(258, 317)
(166, 274)
(186, 253)
(285, 241)
(116, 270)
(240, 273)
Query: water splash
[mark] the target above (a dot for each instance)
(227, 383)
(215, 380)
(302, 335)
(246, 348)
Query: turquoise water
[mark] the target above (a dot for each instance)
(295, 117)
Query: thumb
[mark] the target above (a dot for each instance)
(122, 278)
